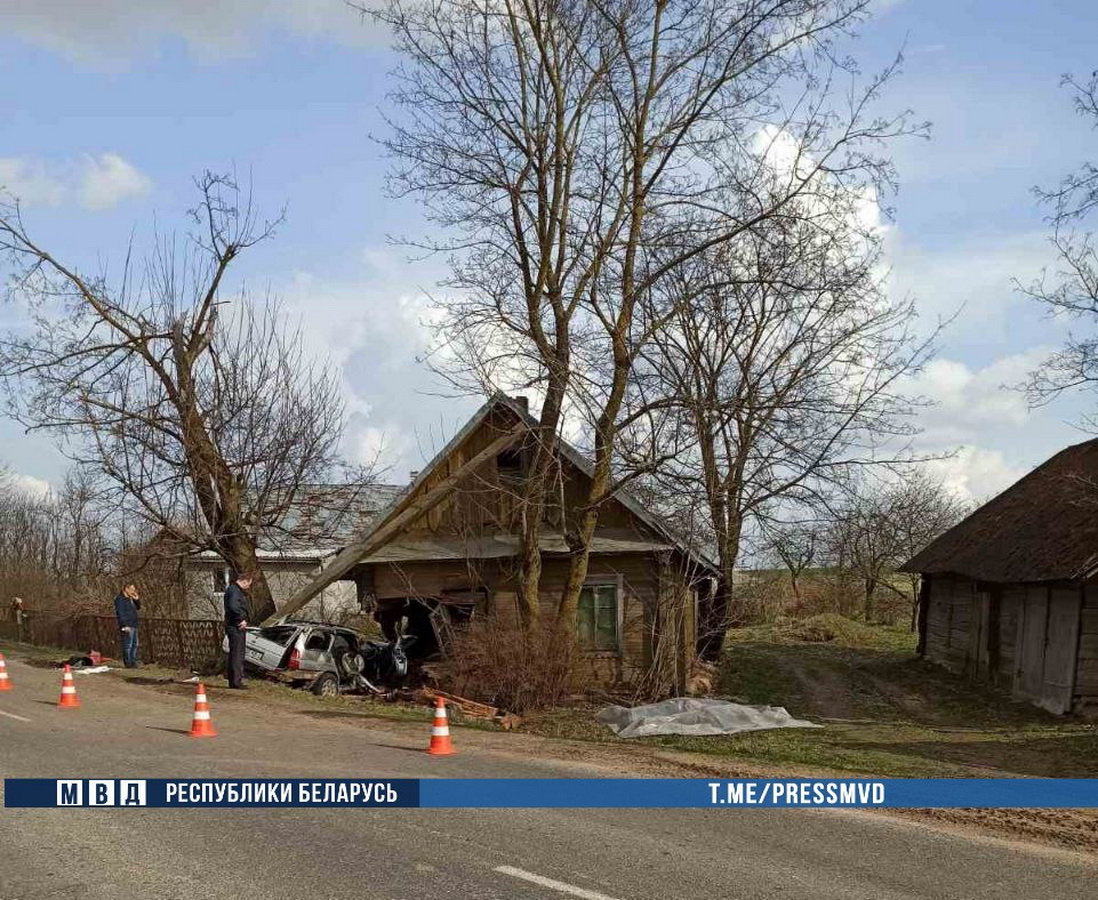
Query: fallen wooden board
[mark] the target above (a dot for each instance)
(400, 517)
(467, 706)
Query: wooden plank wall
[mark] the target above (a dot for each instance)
(1086, 672)
(1009, 615)
(948, 620)
(1023, 660)
(638, 574)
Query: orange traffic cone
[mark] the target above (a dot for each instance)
(5, 684)
(201, 725)
(440, 732)
(68, 690)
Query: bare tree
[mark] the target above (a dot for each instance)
(782, 369)
(1071, 290)
(797, 545)
(204, 416)
(883, 525)
(560, 142)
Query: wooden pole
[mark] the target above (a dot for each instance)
(393, 524)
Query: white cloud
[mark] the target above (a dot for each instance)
(96, 182)
(108, 180)
(108, 33)
(29, 180)
(976, 473)
(968, 402)
(376, 329)
(28, 484)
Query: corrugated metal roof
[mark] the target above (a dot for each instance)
(323, 519)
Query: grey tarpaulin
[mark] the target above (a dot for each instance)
(686, 715)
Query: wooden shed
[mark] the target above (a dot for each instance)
(1010, 594)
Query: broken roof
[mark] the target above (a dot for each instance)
(1042, 528)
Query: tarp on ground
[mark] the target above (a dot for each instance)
(688, 715)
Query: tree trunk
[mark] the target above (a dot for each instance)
(240, 554)
(721, 613)
(533, 509)
(868, 609)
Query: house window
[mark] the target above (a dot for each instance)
(510, 465)
(598, 617)
(220, 580)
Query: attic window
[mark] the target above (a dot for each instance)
(509, 464)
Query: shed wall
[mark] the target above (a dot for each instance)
(1086, 672)
(1041, 640)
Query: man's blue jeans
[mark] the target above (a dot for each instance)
(129, 648)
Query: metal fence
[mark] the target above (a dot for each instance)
(184, 643)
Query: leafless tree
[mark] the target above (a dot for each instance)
(1071, 290)
(782, 367)
(797, 545)
(559, 143)
(884, 524)
(204, 415)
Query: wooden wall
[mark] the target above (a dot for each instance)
(947, 621)
(654, 599)
(1040, 640)
(1086, 672)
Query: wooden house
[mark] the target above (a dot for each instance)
(449, 548)
(1010, 594)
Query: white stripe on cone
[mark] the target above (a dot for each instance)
(201, 714)
(200, 698)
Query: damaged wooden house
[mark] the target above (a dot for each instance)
(1010, 594)
(447, 550)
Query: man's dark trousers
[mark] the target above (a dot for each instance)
(236, 655)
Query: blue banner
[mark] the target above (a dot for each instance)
(576, 793)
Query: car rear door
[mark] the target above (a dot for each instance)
(268, 647)
(315, 651)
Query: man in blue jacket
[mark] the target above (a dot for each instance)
(236, 620)
(126, 606)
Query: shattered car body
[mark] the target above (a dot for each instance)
(327, 659)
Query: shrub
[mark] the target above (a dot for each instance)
(495, 661)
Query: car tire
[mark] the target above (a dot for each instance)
(325, 685)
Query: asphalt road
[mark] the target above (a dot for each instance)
(127, 730)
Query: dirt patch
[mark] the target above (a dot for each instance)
(826, 692)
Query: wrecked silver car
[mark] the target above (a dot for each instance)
(327, 659)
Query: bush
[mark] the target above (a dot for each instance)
(494, 661)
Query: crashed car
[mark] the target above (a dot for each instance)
(328, 659)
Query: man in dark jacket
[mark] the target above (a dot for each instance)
(236, 620)
(126, 605)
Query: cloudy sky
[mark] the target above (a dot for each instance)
(109, 108)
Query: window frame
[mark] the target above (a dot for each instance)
(616, 582)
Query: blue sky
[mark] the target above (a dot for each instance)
(109, 108)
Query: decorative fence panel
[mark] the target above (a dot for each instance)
(183, 643)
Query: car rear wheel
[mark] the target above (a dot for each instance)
(326, 685)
